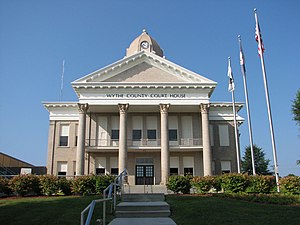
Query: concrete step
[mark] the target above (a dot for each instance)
(145, 189)
(159, 197)
(142, 221)
(142, 214)
(142, 206)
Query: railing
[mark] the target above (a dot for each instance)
(182, 142)
(110, 193)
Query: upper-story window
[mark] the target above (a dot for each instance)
(151, 134)
(137, 127)
(114, 134)
(64, 135)
(224, 135)
(151, 126)
(173, 135)
(136, 135)
(173, 128)
(114, 126)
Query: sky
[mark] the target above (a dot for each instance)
(37, 35)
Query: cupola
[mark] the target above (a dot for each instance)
(144, 42)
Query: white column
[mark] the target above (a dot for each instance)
(81, 139)
(207, 154)
(164, 142)
(123, 137)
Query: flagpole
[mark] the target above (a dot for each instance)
(243, 69)
(62, 81)
(268, 101)
(234, 119)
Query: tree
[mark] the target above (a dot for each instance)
(296, 108)
(296, 112)
(261, 164)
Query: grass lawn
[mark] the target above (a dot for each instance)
(186, 210)
(194, 210)
(47, 210)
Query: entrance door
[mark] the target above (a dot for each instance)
(144, 175)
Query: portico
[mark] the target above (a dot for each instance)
(145, 114)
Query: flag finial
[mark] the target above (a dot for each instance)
(255, 10)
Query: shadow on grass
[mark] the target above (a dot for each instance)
(47, 210)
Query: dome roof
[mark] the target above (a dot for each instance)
(144, 42)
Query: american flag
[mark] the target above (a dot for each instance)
(259, 40)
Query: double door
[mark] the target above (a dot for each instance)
(144, 175)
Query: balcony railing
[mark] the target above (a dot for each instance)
(183, 142)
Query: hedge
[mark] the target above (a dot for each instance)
(24, 185)
(235, 183)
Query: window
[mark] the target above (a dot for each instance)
(151, 134)
(62, 168)
(174, 165)
(173, 128)
(173, 171)
(225, 167)
(115, 134)
(114, 171)
(173, 135)
(211, 134)
(136, 135)
(100, 165)
(64, 135)
(188, 165)
(100, 171)
(224, 135)
(114, 166)
(188, 171)
(76, 134)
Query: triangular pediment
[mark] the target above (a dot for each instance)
(143, 67)
(145, 72)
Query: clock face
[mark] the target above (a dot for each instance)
(145, 44)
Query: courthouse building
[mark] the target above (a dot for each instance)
(145, 114)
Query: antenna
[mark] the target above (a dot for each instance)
(62, 81)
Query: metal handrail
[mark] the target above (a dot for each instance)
(110, 193)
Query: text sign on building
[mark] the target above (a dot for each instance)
(145, 96)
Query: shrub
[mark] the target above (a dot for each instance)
(290, 184)
(202, 184)
(49, 185)
(4, 186)
(102, 182)
(25, 184)
(64, 186)
(83, 185)
(260, 184)
(234, 183)
(179, 184)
